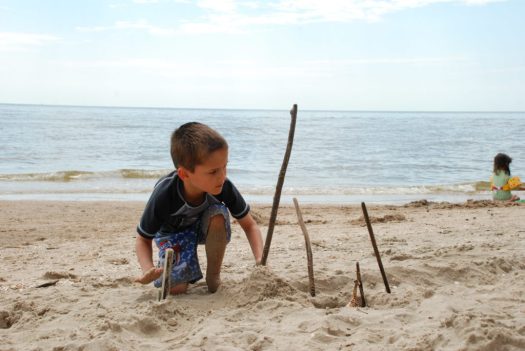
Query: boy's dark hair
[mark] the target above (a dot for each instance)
(502, 162)
(192, 142)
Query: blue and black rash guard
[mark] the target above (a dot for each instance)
(167, 211)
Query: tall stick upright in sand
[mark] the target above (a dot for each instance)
(309, 256)
(376, 251)
(278, 188)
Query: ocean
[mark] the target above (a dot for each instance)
(338, 157)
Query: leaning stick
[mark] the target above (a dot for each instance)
(376, 251)
(309, 256)
(360, 283)
(278, 188)
(166, 275)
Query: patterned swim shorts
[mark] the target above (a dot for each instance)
(186, 268)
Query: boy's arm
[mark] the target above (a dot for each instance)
(253, 234)
(144, 255)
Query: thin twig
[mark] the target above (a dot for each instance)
(309, 255)
(45, 285)
(278, 188)
(376, 251)
(360, 282)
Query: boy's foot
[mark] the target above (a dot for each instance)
(179, 289)
(213, 281)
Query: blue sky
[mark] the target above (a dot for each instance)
(410, 55)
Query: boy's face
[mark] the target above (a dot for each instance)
(208, 176)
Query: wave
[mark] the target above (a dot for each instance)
(461, 188)
(142, 181)
(75, 175)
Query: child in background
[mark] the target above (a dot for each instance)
(191, 206)
(502, 183)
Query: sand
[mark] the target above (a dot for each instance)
(457, 275)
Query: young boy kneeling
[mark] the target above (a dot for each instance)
(190, 206)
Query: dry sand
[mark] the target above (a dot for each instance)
(457, 274)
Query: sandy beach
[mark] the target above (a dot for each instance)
(456, 271)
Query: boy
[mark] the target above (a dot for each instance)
(190, 206)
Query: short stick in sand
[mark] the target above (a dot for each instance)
(278, 188)
(166, 275)
(353, 300)
(360, 284)
(309, 255)
(376, 251)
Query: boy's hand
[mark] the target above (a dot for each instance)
(149, 276)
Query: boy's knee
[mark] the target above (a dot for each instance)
(217, 223)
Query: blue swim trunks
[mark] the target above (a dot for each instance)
(186, 268)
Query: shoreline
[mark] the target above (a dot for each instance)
(256, 199)
(456, 271)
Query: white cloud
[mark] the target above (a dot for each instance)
(391, 61)
(481, 2)
(137, 25)
(234, 16)
(221, 6)
(13, 41)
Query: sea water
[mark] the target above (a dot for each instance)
(109, 153)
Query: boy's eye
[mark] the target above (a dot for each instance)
(215, 171)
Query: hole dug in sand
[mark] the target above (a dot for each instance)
(332, 292)
(263, 284)
(7, 319)
(20, 312)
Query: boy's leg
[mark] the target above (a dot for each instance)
(215, 233)
(216, 240)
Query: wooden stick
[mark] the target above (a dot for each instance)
(353, 300)
(278, 188)
(376, 251)
(309, 255)
(45, 285)
(360, 283)
(166, 275)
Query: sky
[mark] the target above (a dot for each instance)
(394, 55)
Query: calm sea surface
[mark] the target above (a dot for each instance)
(92, 153)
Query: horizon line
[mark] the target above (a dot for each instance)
(257, 109)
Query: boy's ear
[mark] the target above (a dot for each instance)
(182, 173)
